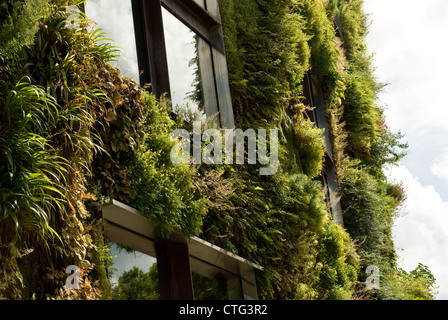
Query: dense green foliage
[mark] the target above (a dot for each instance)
(267, 53)
(370, 202)
(74, 134)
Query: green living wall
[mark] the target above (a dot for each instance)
(75, 134)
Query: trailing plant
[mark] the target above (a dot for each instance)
(267, 55)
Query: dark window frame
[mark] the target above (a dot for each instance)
(151, 45)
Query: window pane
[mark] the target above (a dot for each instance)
(208, 80)
(213, 283)
(115, 18)
(201, 3)
(183, 66)
(132, 274)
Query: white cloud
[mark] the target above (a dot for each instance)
(440, 167)
(422, 230)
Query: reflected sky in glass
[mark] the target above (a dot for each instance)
(115, 18)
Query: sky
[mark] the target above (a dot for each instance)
(105, 14)
(409, 41)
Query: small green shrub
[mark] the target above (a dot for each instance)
(309, 143)
(159, 189)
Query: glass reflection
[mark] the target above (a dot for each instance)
(116, 20)
(210, 104)
(183, 66)
(223, 88)
(201, 3)
(132, 274)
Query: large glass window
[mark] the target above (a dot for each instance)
(115, 18)
(178, 50)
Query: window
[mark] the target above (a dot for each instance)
(106, 13)
(176, 46)
(220, 275)
(314, 97)
(181, 52)
(132, 274)
(146, 265)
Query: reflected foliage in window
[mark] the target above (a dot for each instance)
(132, 274)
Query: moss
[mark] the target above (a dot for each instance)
(163, 191)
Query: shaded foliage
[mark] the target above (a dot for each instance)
(75, 134)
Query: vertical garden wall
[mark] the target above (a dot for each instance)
(75, 134)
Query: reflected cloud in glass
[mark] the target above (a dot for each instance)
(115, 18)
